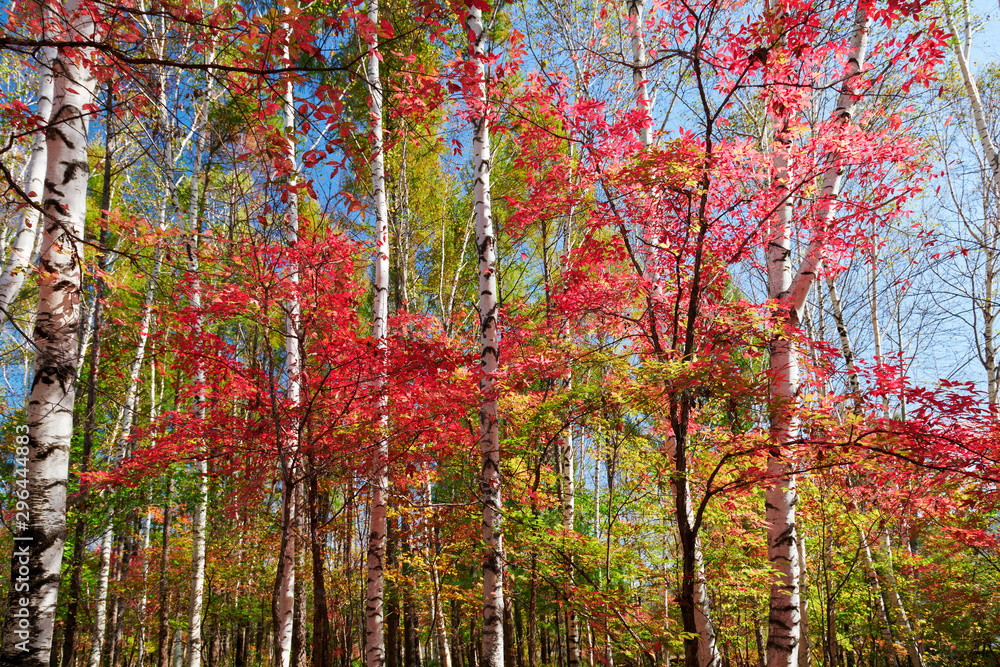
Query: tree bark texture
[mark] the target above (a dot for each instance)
(379, 480)
(42, 457)
(489, 435)
(23, 244)
(784, 616)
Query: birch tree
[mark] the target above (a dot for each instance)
(962, 48)
(288, 445)
(375, 594)
(199, 521)
(781, 496)
(43, 455)
(489, 433)
(19, 257)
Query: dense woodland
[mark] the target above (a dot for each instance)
(546, 333)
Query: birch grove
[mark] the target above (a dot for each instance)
(250, 376)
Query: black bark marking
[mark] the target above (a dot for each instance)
(71, 168)
(54, 203)
(54, 132)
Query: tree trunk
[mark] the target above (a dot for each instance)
(100, 612)
(321, 656)
(163, 633)
(780, 498)
(635, 9)
(569, 522)
(845, 341)
(147, 528)
(411, 622)
(392, 646)
(288, 438)
(700, 649)
(198, 523)
(433, 542)
(804, 655)
(896, 604)
(982, 125)
(876, 591)
(23, 244)
(489, 442)
(761, 648)
(117, 647)
(375, 594)
(300, 647)
(283, 605)
(42, 457)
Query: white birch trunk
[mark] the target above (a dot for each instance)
(896, 604)
(569, 526)
(440, 629)
(198, 522)
(101, 602)
(147, 528)
(23, 244)
(635, 9)
(845, 341)
(648, 246)
(989, 314)
(784, 616)
(982, 127)
(40, 536)
(375, 593)
(489, 434)
(834, 172)
(285, 585)
(568, 470)
(780, 497)
(873, 582)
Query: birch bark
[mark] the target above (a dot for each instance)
(568, 470)
(784, 616)
(489, 435)
(896, 603)
(873, 582)
(37, 555)
(23, 244)
(975, 101)
(285, 583)
(569, 520)
(375, 593)
(199, 520)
